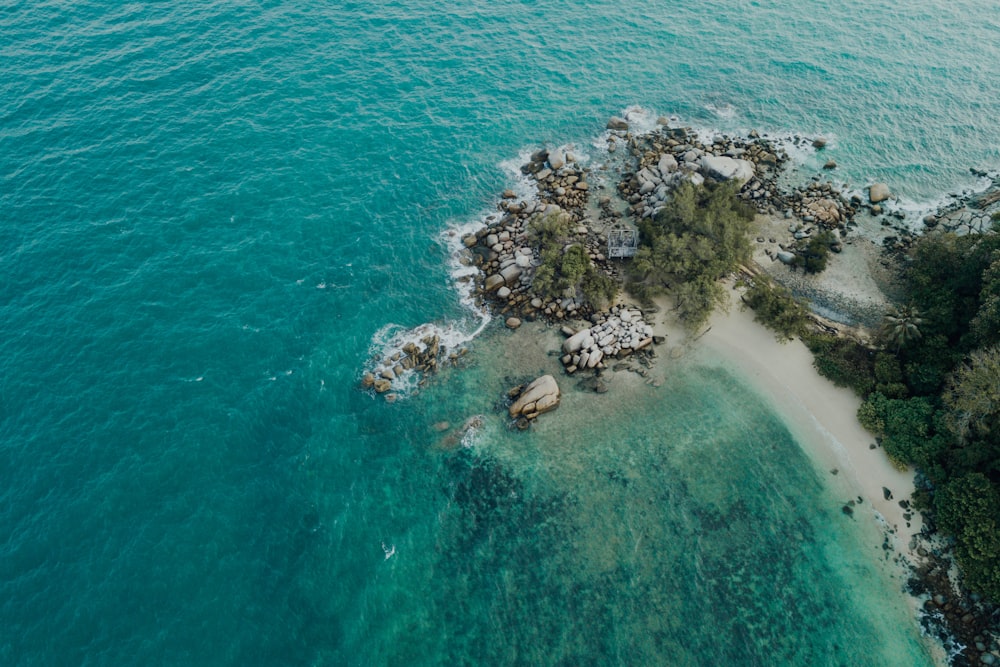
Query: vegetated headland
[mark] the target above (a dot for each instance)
(641, 251)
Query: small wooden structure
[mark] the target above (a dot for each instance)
(622, 243)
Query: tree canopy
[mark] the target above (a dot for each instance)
(696, 239)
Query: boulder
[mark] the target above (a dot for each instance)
(726, 168)
(513, 322)
(617, 123)
(503, 292)
(878, 192)
(542, 395)
(575, 342)
(493, 282)
(511, 273)
(557, 159)
(382, 386)
(667, 164)
(786, 257)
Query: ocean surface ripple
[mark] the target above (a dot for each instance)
(210, 210)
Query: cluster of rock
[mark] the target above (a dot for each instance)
(507, 254)
(669, 156)
(559, 179)
(422, 356)
(535, 398)
(821, 204)
(616, 334)
(964, 621)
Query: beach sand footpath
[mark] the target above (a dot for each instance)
(822, 416)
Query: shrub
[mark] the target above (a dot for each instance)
(776, 308)
(843, 361)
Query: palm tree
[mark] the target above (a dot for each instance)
(902, 326)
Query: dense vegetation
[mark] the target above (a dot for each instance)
(776, 308)
(566, 267)
(932, 391)
(698, 238)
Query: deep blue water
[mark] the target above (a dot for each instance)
(210, 209)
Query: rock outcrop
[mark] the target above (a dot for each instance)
(540, 396)
(620, 332)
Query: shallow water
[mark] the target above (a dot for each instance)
(211, 211)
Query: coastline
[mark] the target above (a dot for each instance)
(820, 414)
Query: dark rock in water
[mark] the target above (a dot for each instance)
(594, 384)
(522, 424)
(905, 504)
(886, 493)
(848, 510)
(819, 143)
(834, 471)
(830, 164)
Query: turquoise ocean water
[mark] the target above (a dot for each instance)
(212, 211)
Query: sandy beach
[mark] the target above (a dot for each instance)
(820, 414)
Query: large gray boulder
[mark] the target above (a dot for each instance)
(542, 395)
(577, 341)
(557, 158)
(494, 282)
(878, 192)
(667, 164)
(725, 168)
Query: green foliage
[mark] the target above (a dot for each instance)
(968, 507)
(901, 326)
(550, 229)
(813, 257)
(568, 268)
(985, 326)
(575, 264)
(693, 242)
(973, 396)
(945, 278)
(911, 429)
(889, 379)
(844, 362)
(936, 399)
(697, 298)
(598, 289)
(776, 308)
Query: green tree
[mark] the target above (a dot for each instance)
(972, 395)
(968, 507)
(698, 238)
(902, 326)
(776, 308)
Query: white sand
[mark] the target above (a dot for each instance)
(821, 415)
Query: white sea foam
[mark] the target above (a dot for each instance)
(391, 338)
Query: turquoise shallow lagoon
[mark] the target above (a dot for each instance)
(210, 211)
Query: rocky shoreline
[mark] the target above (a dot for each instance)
(507, 254)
